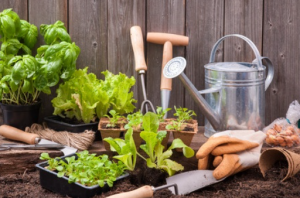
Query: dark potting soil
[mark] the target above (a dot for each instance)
(249, 183)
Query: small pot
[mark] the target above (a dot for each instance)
(110, 132)
(186, 136)
(20, 116)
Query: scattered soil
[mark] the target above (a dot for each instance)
(249, 183)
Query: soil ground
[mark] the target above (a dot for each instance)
(249, 183)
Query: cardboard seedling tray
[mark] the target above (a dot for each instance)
(50, 181)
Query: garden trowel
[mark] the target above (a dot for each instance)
(34, 141)
(181, 184)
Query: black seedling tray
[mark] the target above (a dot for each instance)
(50, 181)
(56, 123)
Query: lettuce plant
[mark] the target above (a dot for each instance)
(126, 149)
(87, 169)
(22, 76)
(157, 158)
(87, 98)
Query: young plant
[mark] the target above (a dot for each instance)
(134, 120)
(161, 113)
(183, 116)
(114, 118)
(87, 169)
(125, 148)
(157, 158)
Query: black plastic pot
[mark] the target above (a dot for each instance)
(58, 124)
(20, 116)
(50, 181)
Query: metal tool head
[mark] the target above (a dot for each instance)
(190, 181)
(174, 67)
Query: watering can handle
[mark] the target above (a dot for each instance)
(252, 45)
(270, 67)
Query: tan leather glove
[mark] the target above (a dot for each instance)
(230, 152)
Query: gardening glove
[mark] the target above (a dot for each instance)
(230, 152)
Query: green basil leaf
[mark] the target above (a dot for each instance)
(63, 35)
(13, 85)
(26, 86)
(26, 49)
(5, 87)
(18, 73)
(30, 38)
(52, 50)
(8, 26)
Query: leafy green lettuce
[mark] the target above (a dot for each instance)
(86, 98)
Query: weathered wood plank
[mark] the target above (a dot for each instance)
(204, 26)
(47, 12)
(166, 17)
(245, 18)
(281, 44)
(88, 29)
(20, 7)
(122, 15)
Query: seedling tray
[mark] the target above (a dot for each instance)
(50, 181)
(56, 123)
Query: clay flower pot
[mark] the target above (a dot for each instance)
(187, 133)
(110, 132)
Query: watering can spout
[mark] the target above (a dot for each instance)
(175, 68)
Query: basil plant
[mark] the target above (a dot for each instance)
(23, 77)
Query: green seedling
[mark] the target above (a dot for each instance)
(183, 116)
(134, 120)
(161, 113)
(113, 119)
(87, 169)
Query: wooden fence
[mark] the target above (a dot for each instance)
(101, 29)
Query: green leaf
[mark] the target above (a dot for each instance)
(8, 26)
(150, 122)
(187, 151)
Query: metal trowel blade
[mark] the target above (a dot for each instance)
(190, 181)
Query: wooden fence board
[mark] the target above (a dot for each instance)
(166, 17)
(122, 15)
(281, 44)
(245, 18)
(88, 29)
(204, 24)
(47, 12)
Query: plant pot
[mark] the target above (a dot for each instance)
(186, 136)
(58, 123)
(50, 181)
(110, 132)
(20, 116)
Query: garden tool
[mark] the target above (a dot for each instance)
(230, 152)
(168, 40)
(270, 156)
(34, 140)
(180, 184)
(235, 91)
(140, 63)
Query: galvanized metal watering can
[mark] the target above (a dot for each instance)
(234, 91)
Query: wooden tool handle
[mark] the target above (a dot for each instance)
(161, 38)
(142, 192)
(136, 36)
(17, 134)
(166, 83)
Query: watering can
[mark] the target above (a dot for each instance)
(234, 91)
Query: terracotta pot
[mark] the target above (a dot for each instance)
(186, 136)
(110, 132)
